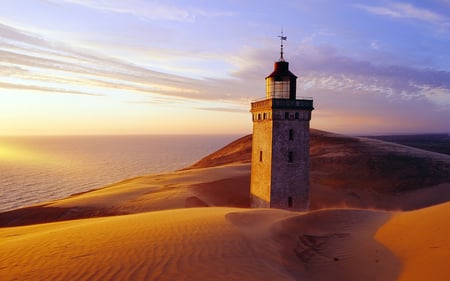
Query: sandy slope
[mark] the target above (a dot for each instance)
(421, 240)
(345, 172)
(360, 172)
(147, 229)
(216, 186)
(200, 244)
(194, 244)
(335, 244)
(233, 244)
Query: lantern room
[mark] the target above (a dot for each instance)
(281, 83)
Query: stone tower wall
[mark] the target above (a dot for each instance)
(261, 161)
(290, 159)
(280, 153)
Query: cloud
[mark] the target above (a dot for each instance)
(437, 95)
(326, 61)
(375, 45)
(4, 85)
(28, 59)
(354, 88)
(224, 109)
(406, 10)
(376, 97)
(360, 90)
(358, 95)
(150, 10)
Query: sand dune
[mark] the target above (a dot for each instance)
(322, 245)
(421, 240)
(192, 244)
(216, 186)
(345, 172)
(153, 227)
(197, 244)
(233, 244)
(238, 151)
(367, 173)
(361, 172)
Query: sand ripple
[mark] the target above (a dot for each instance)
(194, 244)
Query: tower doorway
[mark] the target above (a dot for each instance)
(290, 203)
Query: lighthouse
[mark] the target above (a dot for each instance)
(280, 144)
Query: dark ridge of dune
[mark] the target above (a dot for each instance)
(432, 142)
(239, 151)
(381, 166)
(344, 161)
(45, 214)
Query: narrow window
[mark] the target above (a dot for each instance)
(296, 115)
(264, 116)
(259, 116)
(291, 157)
(260, 156)
(286, 115)
(291, 134)
(290, 202)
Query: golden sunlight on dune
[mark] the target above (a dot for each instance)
(201, 244)
(189, 244)
(421, 239)
(195, 224)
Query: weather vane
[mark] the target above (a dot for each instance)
(282, 38)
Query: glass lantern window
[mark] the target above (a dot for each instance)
(277, 89)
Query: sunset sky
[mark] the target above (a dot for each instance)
(193, 67)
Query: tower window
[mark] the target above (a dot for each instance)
(296, 115)
(286, 115)
(291, 134)
(291, 157)
(259, 116)
(264, 116)
(290, 203)
(260, 156)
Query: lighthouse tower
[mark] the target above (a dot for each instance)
(280, 145)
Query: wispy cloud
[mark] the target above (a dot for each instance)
(337, 82)
(375, 45)
(357, 93)
(35, 60)
(150, 10)
(4, 85)
(30, 60)
(223, 109)
(371, 96)
(407, 11)
(327, 71)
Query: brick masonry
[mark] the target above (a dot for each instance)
(280, 153)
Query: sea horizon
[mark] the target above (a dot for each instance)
(40, 168)
(354, 134)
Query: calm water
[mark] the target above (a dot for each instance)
(38, 169)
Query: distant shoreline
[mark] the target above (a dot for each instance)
(432, 142)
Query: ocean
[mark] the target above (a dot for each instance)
(38, 169)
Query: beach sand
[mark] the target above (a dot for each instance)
(195, 224)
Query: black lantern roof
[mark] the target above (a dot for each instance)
(281, 69)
